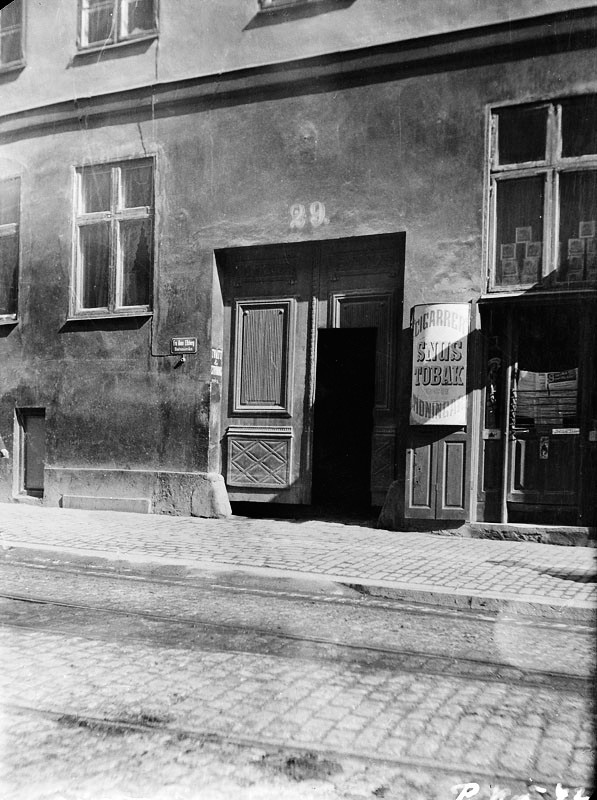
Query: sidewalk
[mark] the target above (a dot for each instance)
(521, 577)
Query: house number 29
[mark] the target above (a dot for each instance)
(316, 215)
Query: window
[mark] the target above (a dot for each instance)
(9, 245)
(544, 195)
(11, 34)
(105, 22)
(114, 235)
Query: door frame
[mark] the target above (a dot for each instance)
(19, 463)
(321, 312)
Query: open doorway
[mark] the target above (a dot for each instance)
(31, 452)
(343, 419)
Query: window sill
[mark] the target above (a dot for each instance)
(267, 7)
(14, 66)
(86, 317)
(110, 46)
(8, 319)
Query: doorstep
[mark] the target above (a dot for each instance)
(567, 535)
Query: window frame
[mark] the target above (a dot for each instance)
(551, 168)
(117, 39)
(8, 66)
(114, 216)
(8, 230)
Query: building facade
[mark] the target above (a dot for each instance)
(301, 251)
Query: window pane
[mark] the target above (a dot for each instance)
(9, 266)
(9, 201)
(522, 135)
(10, 46)
(137, 17)
(95, 261)
(579, 126)
(96, 185)
(137, 185)
(11, 14)
(519, 235)
(135, 241)
(578, 221)
(98, 18)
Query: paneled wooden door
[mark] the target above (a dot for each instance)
(276, 298)
(266, 376)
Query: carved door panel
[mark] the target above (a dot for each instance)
(361, 287)
(265, 380)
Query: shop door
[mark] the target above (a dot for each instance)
(544, 443)
(278, 300)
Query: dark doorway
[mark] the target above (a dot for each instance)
(33, 426)
(343, 418)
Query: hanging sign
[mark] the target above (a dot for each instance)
(440, 336)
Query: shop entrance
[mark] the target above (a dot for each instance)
(544, 443)
(308, 382)
(539, 414)
(343, 418)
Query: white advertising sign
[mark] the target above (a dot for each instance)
(440, 336)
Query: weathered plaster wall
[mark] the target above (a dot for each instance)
(403, 155)
(109, 401)
(208, 37)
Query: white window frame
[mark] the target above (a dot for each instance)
(118, 34)
(10, 230)
(114, 217)
(550, 168)
(4, 30)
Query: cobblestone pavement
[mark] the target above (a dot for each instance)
(286, 617)
(512, 571)
(54, 687)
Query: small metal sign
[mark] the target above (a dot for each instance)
(180, 345)
(565, 431)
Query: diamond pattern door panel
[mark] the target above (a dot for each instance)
(259, 458)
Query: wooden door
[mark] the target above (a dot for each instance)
(276, 299)
(266, 378)
(544, 445)
(33, 452)
(437, 475)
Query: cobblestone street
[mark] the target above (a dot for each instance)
(112, 700)
(407, 563)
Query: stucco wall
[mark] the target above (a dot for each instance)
(403, 155)
(208, 37)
